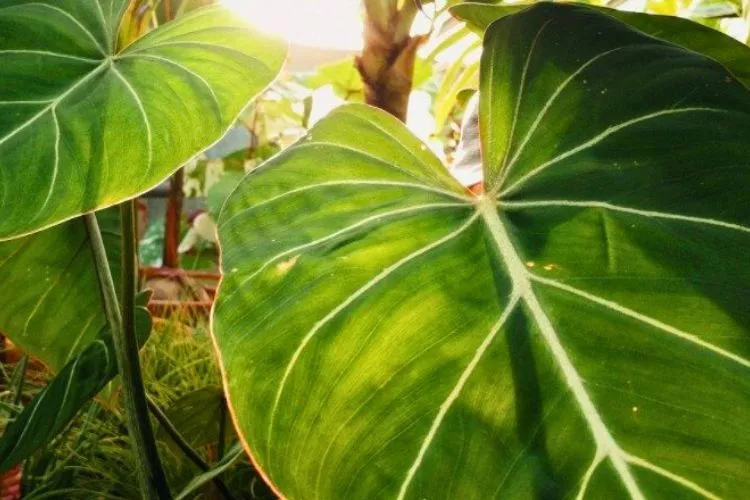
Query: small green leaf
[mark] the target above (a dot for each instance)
(231, 457)
(459, 76)
(84, 126)
(57, 404)
(343, 77)
(580, 330)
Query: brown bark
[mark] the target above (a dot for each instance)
(388, 57)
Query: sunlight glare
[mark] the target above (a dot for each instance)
(335, 24)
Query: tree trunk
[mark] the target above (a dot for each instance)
(387, 61)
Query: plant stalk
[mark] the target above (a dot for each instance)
(21, 381)
(188, 450)
(222, 430)
(388, 58)
(122, 325)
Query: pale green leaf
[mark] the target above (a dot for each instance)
(84, 126)
(459, 76)
(579, 331)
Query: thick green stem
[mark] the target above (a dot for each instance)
(188, 450)
(122, 325)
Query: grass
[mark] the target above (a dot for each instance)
(93, 458)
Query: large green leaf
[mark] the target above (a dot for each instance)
(52, 307)
(84, 126)
(580, 330)
(57, 404)
(725, 49)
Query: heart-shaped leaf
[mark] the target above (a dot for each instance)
(84, 125)
(204, 59)
(579, 330)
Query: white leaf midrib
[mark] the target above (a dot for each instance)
(146, 122)
(605, 442)
(378, 217)
(340, 182)
(520, 205)
(545, 109)
(522, 86)
(182, 67)
(642, 318)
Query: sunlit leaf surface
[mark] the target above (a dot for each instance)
(728, 51)
(84, 125)
(579, 331)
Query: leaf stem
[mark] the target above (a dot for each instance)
(222, 430)
(188, 450)
(23, 365)
(122, 325)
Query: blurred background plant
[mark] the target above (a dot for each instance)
(93, 459)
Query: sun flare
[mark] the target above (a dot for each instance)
(334, 24)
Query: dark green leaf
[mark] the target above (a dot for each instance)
(725, 49)
(56, 308)
(579, 330)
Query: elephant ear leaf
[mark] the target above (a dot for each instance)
(580, 330)
(85, 125)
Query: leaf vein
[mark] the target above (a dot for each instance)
(343, 305)
(643, 319)
(618, 208)
(602, 136)
(455, 393)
